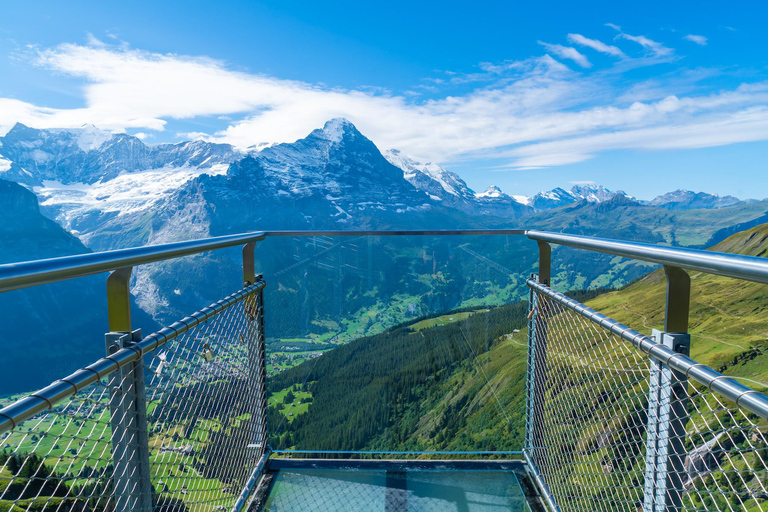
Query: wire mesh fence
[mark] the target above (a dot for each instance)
(180, 427)
(600, 443)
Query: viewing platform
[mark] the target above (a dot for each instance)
(527, 400)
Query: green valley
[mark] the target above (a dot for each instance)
(437, 384)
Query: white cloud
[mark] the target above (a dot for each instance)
(657, 48)
(596, 45)
(535, 112)
(699, 40)
(567, 52)
(746, 125)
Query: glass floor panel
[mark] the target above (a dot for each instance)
(395, 491)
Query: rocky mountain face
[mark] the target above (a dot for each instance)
(439, 183)
(55, 328)
(89, 155)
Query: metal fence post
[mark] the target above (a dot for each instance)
(259, 381)
(127, 404)
(128, 421)
(530, 395)
(667, 416)
(257, 385)
(249, 264)
(537, 342)
(534, 449)
(257, 360)
(545, 262)
(536, 356)
(668, 405)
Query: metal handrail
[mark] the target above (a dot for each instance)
(31, 273)
(14, 276)
(407, 232)
(748, 268)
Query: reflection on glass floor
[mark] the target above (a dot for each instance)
(395, 491)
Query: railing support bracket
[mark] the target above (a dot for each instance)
(667, 416)
(130, 436)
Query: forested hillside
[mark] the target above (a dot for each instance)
(419, 386)
(461, 386)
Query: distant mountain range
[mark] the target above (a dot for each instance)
(113, 191)
(86, 177)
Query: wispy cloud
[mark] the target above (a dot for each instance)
(529, 113)
(656, 48)
(596, 45)
(699, 40)
(743, 126)
(567, 52)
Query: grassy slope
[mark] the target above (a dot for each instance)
(728, 323)
(729, 318)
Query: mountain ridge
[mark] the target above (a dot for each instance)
(57, 163)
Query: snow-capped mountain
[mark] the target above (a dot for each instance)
(496, 203)
(87, 179)
(559, 197)
(492, 192)
(687, 200)
(447, 187)
(88, 155)
(82, 175)
(594, 193)
(439, 183)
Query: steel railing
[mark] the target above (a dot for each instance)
(32, 273)
(684, 425)
(173, 421)
(748, 268)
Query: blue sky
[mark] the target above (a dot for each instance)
(646, 97)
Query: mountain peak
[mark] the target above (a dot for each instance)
(591, 192)
(492, 192)
(338, 128)
(19, 129)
